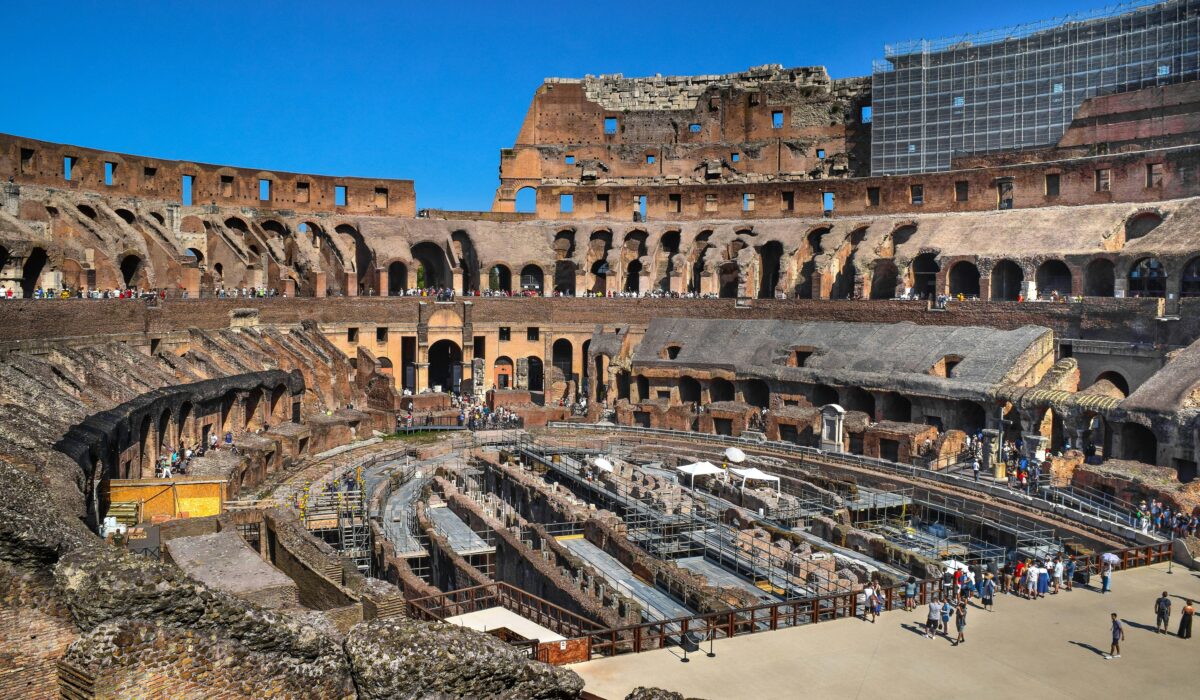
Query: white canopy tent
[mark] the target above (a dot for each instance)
(700, 469)
(754, 474)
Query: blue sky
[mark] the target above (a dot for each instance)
(388, 89)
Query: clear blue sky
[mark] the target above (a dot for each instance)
(387, 89)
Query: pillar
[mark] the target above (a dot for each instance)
(422, 376)
(991, 455)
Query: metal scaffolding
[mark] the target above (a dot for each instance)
(339, 517)
(1020, 87)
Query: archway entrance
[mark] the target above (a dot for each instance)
(1053, 277)
(1100, 278)
(883, 280)
(31, 271)
(964, 279)
(445, 366)
(1006, 281)
(500, 279)
(397, 279)
(130, 266)
(433, 270)
(536, 379)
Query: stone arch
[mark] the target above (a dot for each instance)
(564, 244)
(536, 375)
(633, 274)
(599, 273)
(397, 278)
(1141, 223)
(237, 224)
(433, 267)
(197, 258)
(1007, 277)
(500, 278)
(884, 276)
(532, 279)
(853, 398)
(971, 417)
(31, 271)
(689, 390)
(87, 210)
(564, 277)
(668, 247)
(1189, 282)
(1148, 278)
(468, 260)
(823, 395)
(700, 248)
(808, 264)
(1054, 276)
(502, 372)
(895, 407)
(720, 390)
(562, 357)
(964, 279)
(902, 233)
(445, 365)
(728, 277)
(1115, 378)
(364, 257)
(923, 274)
(1099, 278)
(126, 215)
(757, 393)
(525, 200)
(770, 255)
(1139, 444)
(131, 270)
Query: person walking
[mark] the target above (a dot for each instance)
(869, 602)
(975, 470)
(1118, 636)
(1185, 622)
(960, 621)
(1106, 570)
(1162, 614)
(947, 611)
(931, 622)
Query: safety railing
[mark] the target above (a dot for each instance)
(946, 476)
(467, 600)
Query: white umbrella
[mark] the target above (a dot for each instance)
(954, 564)
(1110, 558)
(735, 455)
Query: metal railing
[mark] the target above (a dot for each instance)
(1073, 511)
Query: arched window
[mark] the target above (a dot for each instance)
(1189, 286)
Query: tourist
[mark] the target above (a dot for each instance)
(910, 594)
(1162, 614)
(1058, 574)
(1185, 622)
(960, 621)
(1069, 572)
(975, 469)
(1106, 570)
(946, 612)
(1118, 636)
(988, 591)
(935, 613)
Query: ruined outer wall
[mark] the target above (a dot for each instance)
(853, 196)
(25, 160)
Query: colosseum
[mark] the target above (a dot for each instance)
(764, 352)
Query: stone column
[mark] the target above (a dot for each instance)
(422, 376)
(1034, 445)
(991, 455)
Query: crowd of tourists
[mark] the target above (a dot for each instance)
(1159, 518)
(176, 460)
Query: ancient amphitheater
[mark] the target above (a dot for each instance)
(768, 348)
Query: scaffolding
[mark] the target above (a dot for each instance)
(1019, 88)
(339, 518)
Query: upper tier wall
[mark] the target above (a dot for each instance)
(24, 160)
(1118, 320)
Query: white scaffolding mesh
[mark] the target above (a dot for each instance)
(1019, 88)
